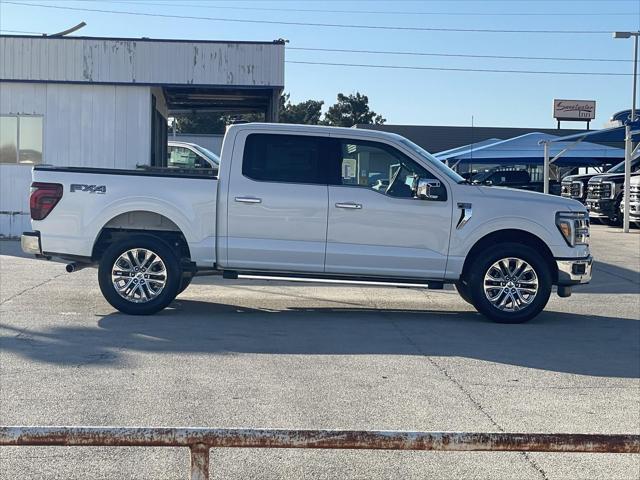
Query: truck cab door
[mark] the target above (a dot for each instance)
(376, 227)
(277, 203)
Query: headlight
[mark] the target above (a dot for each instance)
(577, 189)
(610, 188)
(574, 227)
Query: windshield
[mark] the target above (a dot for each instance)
(619, 168)
(208, 153)
(433, 161)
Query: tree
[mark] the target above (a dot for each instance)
(200, 122)
(352, 110)
(348, 111)
(307, 112)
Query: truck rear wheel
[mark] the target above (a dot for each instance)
(509, 283)
(139, 275)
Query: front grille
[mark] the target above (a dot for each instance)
(571, 189)
(634, 193)
(597, 191)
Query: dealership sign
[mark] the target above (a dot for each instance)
(581, 110)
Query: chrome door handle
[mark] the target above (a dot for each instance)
(354, 206)
(248, 200)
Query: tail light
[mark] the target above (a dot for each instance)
(44, 197)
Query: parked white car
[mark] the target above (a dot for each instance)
(190, 155)
(314, 203)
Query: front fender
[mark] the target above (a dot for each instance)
(463, 240)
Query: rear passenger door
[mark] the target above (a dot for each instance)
(277, 203)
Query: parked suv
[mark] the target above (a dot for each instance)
(604, 196)
(575, 186)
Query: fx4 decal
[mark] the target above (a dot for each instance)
(79, 187)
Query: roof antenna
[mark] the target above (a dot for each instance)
(67, 31)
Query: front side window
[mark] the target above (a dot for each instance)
(20, 139)
(379, 167)
(286, 158)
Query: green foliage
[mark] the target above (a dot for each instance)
(307, 112)
(212, 123)
(346, 112)
(203, 122)
(352, 110)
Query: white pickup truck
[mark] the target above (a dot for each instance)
(310, 203)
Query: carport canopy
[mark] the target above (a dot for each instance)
(447, 154)
(527, 149)
(628, 133)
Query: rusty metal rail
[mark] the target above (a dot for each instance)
(200, 440)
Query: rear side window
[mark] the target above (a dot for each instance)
(287, 158)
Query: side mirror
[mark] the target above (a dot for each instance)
(428, 189)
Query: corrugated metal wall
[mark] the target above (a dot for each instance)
(83, 125)
(141, 61)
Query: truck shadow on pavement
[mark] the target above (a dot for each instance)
(610, 278)
(556, 342)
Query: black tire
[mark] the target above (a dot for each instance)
(184, 283)
(463, 291)
(616, 219)
(486, 259)
(172, 277)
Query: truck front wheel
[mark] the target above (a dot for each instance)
(509, 283)
(463, 291)
(139, 275)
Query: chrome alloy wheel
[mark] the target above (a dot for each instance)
(510, 284)
(139, 275)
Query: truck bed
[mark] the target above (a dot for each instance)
(150, 199)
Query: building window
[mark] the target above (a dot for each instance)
(21, 139)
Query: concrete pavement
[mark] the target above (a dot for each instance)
(274, 354)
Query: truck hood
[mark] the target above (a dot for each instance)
(531, 199)
(611, 177)
(585, 177)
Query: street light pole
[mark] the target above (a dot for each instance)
(635, 75)
(628, 146)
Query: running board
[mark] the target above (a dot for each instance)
(328, 278)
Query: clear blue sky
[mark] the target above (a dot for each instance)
(402, 96)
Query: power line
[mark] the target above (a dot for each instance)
(445, 69)
(369, 12)
(442, 1)
(309, 24)
(426, 54)
(457, 55)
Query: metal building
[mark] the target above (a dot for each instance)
(104, 102)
